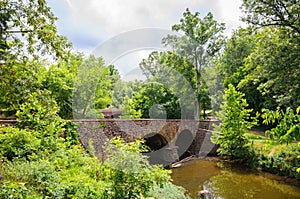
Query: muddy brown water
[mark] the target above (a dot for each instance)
(231, 181)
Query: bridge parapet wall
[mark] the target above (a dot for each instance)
(99, 131)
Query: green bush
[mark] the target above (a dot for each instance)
(284, 162)
(287, 124)
(230, 134)
(70, 172)
(168, 191)
(67, 173)
(45, 160)
(40, 113)
(16, 190)
(129, 173)
(287, 129)
(16, 143)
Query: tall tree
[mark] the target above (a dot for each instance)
(231, 65)
(154, 100)
(27, 28)
(273, 66)
(17, 81)
(105, 87)
(203, 39)
(284, 13)
(27, 32)
(93, 87)
(177, 74)
(235, 117)
(122, 90)
(59, 80)
(274, 63)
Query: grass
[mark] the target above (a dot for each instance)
(267, 147)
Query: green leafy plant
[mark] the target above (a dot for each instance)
(168, 191)
(40, 113)
(70, 172)
(287, 129)
(129, 173)
(230, 134)
(154, 100)
(16, 143)
(67, 173)
(287, 124)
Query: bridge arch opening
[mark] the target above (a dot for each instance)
(155, 141)
(184, 142)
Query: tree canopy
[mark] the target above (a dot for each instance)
(283, 13)
(202, 39)
(28, 29)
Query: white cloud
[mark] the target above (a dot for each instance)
(107, 18)
(128, 65)
(90, 23)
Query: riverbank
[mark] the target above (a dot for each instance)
(225, 179)
(273, 157)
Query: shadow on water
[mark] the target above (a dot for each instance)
(228, 181)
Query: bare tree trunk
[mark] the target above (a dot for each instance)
(197, 109)
(198, 103)
(198, 106)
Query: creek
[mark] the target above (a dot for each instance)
(224, 180)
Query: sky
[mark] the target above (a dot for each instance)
(107, 26)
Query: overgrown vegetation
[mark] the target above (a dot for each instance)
(281, 159)
(262, 61)
(230, 134)
(42, 157)
(278, 153)
(284, 137)
(42, 81)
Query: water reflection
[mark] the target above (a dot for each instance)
(227, 181)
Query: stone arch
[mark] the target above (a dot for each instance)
(183, 142)
(155, 141)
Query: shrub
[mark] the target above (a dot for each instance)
(67, 173)
(168, 191)
(40, 113)
(284, 162)
(129, 173)
(287, 124)
(287, 129)
(70, 172)
(16, 143)
(230, 134)
(16, 190)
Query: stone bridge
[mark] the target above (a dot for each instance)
(169, 140)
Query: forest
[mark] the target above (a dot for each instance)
(248, 80)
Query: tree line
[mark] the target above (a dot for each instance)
(41, 81)
(260, 60)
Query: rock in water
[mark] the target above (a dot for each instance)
(203, 193)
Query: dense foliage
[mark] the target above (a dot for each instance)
(42, 157)
(230, 134)
(201, 41)
(156, 101)
(42, 81)
(178, 76)
(288, 124)
(262, 61)
(273, 13)
(93, 87)
(28, 30)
